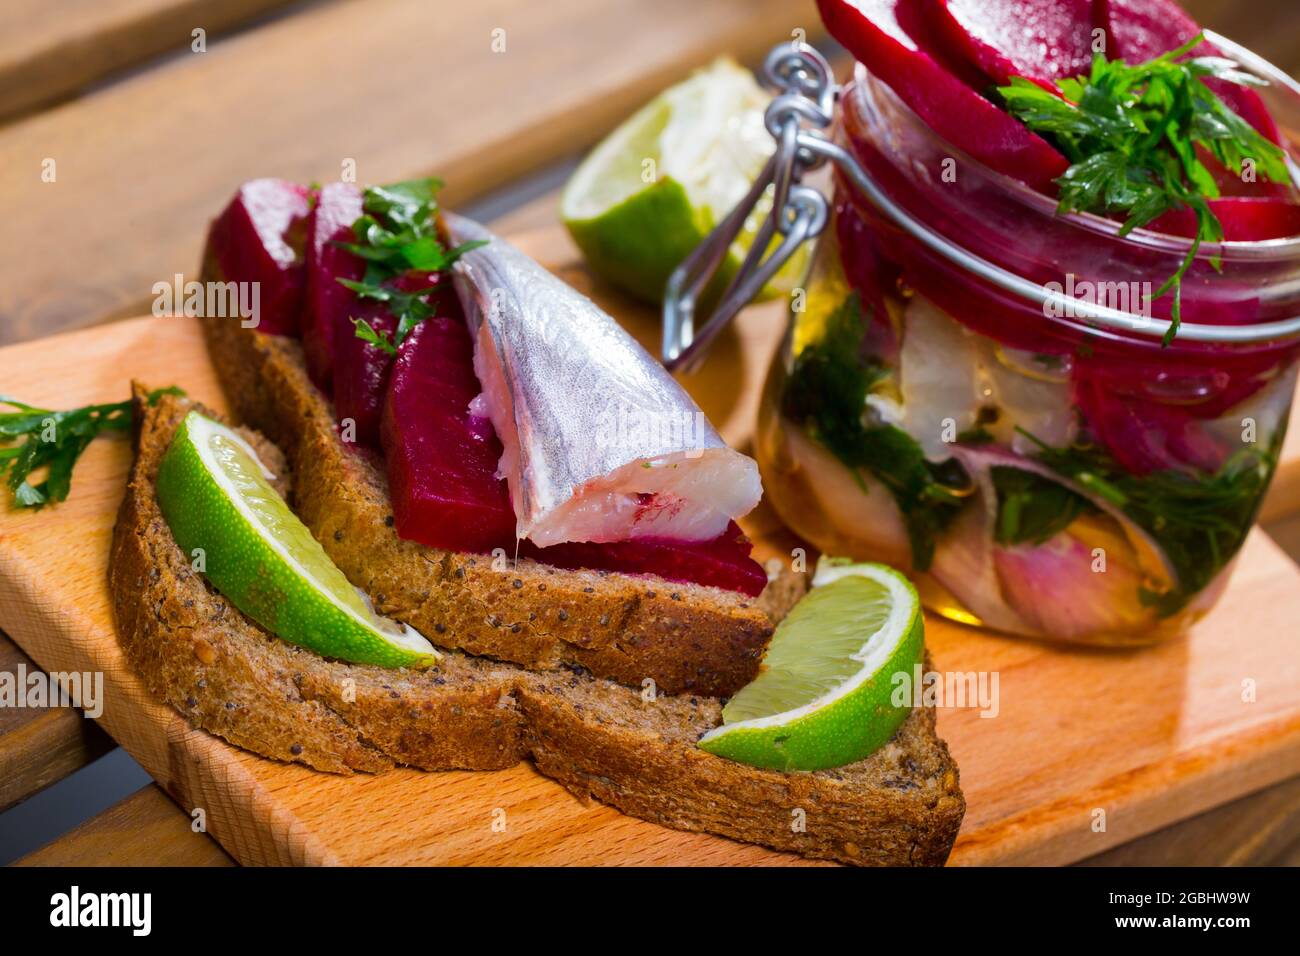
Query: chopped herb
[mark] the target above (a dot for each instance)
(395, 234)
(54, 441)
(1199, 519)
(827, 392)
(367, 333)
(1131, 134)
(1033, 508)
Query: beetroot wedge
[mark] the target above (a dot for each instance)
(1142, 435)
(871, 31)
(723, 562)
(361, 376)
(1040, 40)
(1244, 219)
(442, 460)
(361, 369)
(338, 205)
(259, 238)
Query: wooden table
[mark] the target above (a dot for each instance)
(149, 112)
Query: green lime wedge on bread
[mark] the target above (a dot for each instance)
(217, 498)
(823, 698)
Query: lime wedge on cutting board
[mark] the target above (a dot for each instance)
(823, 697)
(655, 187)
(215, 496)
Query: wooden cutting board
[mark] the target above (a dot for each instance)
(1089, 749)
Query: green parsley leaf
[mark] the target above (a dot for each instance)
(1132, 134)
(367, 333)
(53, 441)
(397, 233)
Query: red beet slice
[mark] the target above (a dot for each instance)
(338, 205)
(361, 377)
(870, 30)
(441, 461)
(723, 562)
(1139, 30)
(1245, 219)
(1040, 40)
(916, 19)
(361, 370)
(259, 238)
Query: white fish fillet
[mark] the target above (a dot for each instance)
(601, 444)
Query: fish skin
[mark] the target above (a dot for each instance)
(562, 381)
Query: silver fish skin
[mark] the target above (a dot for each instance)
(601, 443)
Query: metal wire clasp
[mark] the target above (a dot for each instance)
(803, 107)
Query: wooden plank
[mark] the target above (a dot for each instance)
(1260, 830)
(1150, 736)
(40, 746)
(45, 56)
(145, 829)
(396, 87)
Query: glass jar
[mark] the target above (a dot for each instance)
(1035, 472)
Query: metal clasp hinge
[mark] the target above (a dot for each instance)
(804, 106)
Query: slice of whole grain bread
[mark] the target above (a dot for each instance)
(632, 749)
(630, 628)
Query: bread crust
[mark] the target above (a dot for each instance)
(632, 749)
(685, 638)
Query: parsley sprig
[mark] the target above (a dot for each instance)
(396, 233)
(1131, 133)
(379, 338)
(34, 438)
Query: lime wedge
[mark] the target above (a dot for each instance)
(655, 187)
(226, 517)
(823, 697)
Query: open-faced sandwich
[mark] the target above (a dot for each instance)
(468, 521)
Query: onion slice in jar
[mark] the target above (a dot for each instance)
(963, 559)
(951, 378)
(1050, 588)
(842, 511)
